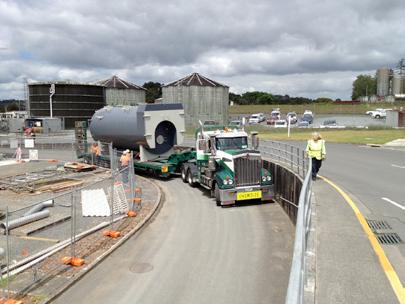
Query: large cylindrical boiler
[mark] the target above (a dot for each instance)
(155, 127)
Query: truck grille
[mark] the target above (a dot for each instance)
(247, 171)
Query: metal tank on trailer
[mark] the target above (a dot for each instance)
(151, 129)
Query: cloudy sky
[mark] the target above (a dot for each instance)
(306, 48)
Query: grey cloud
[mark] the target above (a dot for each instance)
(161, 41)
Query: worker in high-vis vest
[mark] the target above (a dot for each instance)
(125, 159)
(317, 152)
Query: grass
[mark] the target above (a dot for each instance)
(372, 135)
(352, 136)
(322, 108)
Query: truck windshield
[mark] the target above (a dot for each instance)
(230, 143)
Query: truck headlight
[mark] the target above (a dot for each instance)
(263, 178)
(225, 181)
(230, 182)
(268, 178)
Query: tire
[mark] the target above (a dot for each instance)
(190, 178)
(377, 116)
(216, 193)
(183, 174)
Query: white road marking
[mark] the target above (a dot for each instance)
(397, 166)
(394, 203)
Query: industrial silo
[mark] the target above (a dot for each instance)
(70, 101)
(121, 92)
(383, 82)
(202, 98)
(398, 80)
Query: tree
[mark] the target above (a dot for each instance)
(323, 100)
(364, 85)
(154, 91)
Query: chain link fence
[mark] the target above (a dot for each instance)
(50, 239)
(18, 147)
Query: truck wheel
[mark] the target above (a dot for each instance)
(377, 116)
(183, 174)
(217, 197)
(190, 178)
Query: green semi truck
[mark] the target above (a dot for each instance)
(226, 166)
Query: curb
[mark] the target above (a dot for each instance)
(99, 259)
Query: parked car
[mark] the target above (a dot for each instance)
(235, 124)
(271, 120)
(331, 124)
(379, 114)
(307, 117)
(373, 111)
(308, 112)
(256, 118)
(281, 123)
(292, 116)
(276, 114)
(303, 124)
(210, 123)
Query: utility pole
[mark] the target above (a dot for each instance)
(52, 92)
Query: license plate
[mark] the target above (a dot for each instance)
(248, 195)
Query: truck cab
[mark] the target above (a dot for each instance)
(226, 165)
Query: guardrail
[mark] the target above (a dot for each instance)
(294, 159)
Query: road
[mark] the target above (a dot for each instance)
(374, 177)
(196, 252)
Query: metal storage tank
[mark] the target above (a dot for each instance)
(398, 80)
(121, 92)
(398, 85)
(202, 98)
(70, 102)
(383, 81)
(151, 129)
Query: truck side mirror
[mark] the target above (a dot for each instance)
(255, 140)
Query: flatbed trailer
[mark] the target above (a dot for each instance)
(161, 167)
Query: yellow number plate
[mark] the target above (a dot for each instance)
(248, 195)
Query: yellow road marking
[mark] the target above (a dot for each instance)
(384, 261)
(34, 238)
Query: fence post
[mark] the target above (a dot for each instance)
(112, 166)
(132, 182)
(8, 253)
(292, 157)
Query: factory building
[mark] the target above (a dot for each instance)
(391, 83)
(202, 98)
(121, 92)
(70, 101)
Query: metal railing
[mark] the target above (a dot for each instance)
(290, 156)
(295, 291)
(293, 159)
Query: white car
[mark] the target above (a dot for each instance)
(256, 118)
(372, 111)
(281, 123)
(379, 114)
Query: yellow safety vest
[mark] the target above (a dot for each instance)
(316, 148)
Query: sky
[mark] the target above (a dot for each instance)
(309, 48)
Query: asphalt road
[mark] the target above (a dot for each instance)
(196, 252)
(375, 179)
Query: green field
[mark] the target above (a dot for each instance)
(321, 108)
(352, 136)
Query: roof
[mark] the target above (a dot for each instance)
(118, 83)
(195, 79)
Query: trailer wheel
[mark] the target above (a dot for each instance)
(183, 174)
(190, 178)
(216, 193)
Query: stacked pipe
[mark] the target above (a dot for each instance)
(34, 214)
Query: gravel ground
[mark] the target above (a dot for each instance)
(40, 282)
